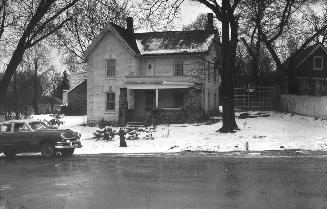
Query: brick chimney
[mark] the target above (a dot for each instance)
(129, 21)
(209, 21)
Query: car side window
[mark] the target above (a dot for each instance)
(24, 128)
(20, 127)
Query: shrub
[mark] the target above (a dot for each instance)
(132, 134)
(55, 122)
(106, 134)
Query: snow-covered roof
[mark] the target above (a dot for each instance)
(159, 43)
(174, 42)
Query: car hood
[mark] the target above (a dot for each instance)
(66, 133)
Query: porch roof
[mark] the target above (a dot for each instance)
(162, 85)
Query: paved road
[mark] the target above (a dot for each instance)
(113, 181)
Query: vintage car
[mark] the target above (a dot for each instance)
(22, 136)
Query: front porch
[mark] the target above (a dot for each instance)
(143, 101)
(166, 99)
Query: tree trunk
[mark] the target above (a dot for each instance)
(35, 89)
(11, 69)
(123, 107)
(228, 64)
(16, 98)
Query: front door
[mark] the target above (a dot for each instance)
(144, 100)
(149, 100)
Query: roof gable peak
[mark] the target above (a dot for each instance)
(112, 27)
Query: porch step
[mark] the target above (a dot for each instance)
(135, 124)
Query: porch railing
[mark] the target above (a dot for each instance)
(161, 79)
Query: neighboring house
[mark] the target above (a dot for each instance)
(308, 71)
(130, 74)
(74, 100)
(48, 104)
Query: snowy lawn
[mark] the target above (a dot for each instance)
(277, 132)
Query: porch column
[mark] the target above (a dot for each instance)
(157, 98)
(123, 107)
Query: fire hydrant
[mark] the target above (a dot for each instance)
(122, 138)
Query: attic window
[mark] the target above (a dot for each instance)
(318, 63)
(149, 66)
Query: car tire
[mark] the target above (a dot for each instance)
(10, 154)
(48, 150)
(67, 152)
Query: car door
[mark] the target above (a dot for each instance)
(22, 136)
(6, 142)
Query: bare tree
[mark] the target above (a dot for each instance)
(200, 23)
(275, 21)
(89, 18)
(33, 23)
(36, 59)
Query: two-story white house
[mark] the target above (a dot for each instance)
(130, 73)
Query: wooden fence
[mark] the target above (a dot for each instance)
(315, 106)
(259, 98)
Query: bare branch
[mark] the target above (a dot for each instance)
(49, 33)
(46, 22)
(215, 7)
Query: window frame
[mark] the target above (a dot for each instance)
(322, 63)
(110, 101)
(178, 67)
(111, 68)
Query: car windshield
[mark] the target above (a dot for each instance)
(38, 125)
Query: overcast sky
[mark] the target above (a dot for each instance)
(190, 10)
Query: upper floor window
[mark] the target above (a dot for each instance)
(178, 68)
(318, 63)
(110, 101)
(110, 67)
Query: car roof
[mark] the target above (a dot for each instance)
(21, 121)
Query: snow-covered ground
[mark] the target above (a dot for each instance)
(277, 132)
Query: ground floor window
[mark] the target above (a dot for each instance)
(110, 101)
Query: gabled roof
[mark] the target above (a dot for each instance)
(159, 43)
(85, 80)
(76, 78)
(304, 54)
